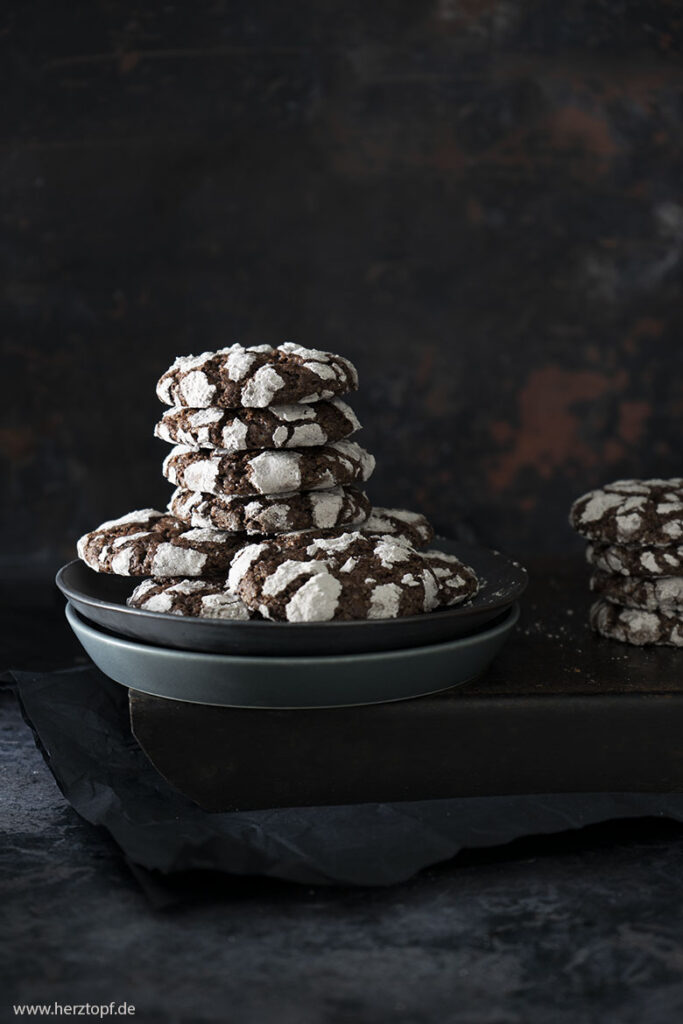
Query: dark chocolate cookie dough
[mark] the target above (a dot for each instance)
(632, 512)
(279, 513)
(281, 426)
(200, 598)
(256, 377)
(663, 594)
(635, 626)
(457, 582)
(352, 576)
(399, 522)
(347, 577)
(151, 543)
(268, 472)
(644, 562)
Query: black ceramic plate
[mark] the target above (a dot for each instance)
(101, 598)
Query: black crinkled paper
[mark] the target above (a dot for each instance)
(80, 721)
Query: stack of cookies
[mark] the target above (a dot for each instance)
(269, 517)
(261, 441)
(635, 534)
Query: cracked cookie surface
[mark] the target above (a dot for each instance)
(198, 598)
(635, 626)
(399, 522)
(630, 512)
(256, 376)
(268, 472)
(280, 426)
(348, 577)
(267, 514)
(646, 562)
(151, 543)
(663, 594)
(457, 581)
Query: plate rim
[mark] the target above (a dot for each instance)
(460, 610)
(181, 654)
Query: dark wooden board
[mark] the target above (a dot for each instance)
(560, 711)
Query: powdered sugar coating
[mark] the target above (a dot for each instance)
(199, 475)
(275, 472)
(412, 527)
(663, 594)
(629, 512)
(316, 601)
(239, 363)
(350, 576)
(262, 388)
(268, 472)
(196, 389)
(635, 626)
(263, 514)
(358, 462)
(200, 598)
(625, 560)
(171, 560)
(385, 601)
(399, 522)
(288, 571)
(241, 564)
(457, 582)
(139, 521)
(280, 426)
(256, 377)
(150, 543)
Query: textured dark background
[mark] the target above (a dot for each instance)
(478, 201)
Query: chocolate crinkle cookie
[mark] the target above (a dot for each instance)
(644, 562)
(151, 543)
(347, 577)
(664, 594)
(457, 582)
(632, 512)
(279, 513)
(635, 626)
(280, 426)
(199, 598)
(268, 472)
(411, 527)
(256, 376)
(399, 522)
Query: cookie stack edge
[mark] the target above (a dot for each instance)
(634, 530)
(269, 485)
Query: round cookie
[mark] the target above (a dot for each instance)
(206, 598)
(151, 543)
(399, 522)
(341, 578)
(664, 594)
(256, 376)
(279, 513)
(269, 472)
(409, 527)
(457, 582)
(280, 426)
(635, 626)
(643, 512)
(636, 561)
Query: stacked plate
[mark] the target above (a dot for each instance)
(257, 663)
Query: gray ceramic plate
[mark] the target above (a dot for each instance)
(312, 682)
(101, 598)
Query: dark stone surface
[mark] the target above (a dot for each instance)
(578, 927)
(583, 927)
(478, 202)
